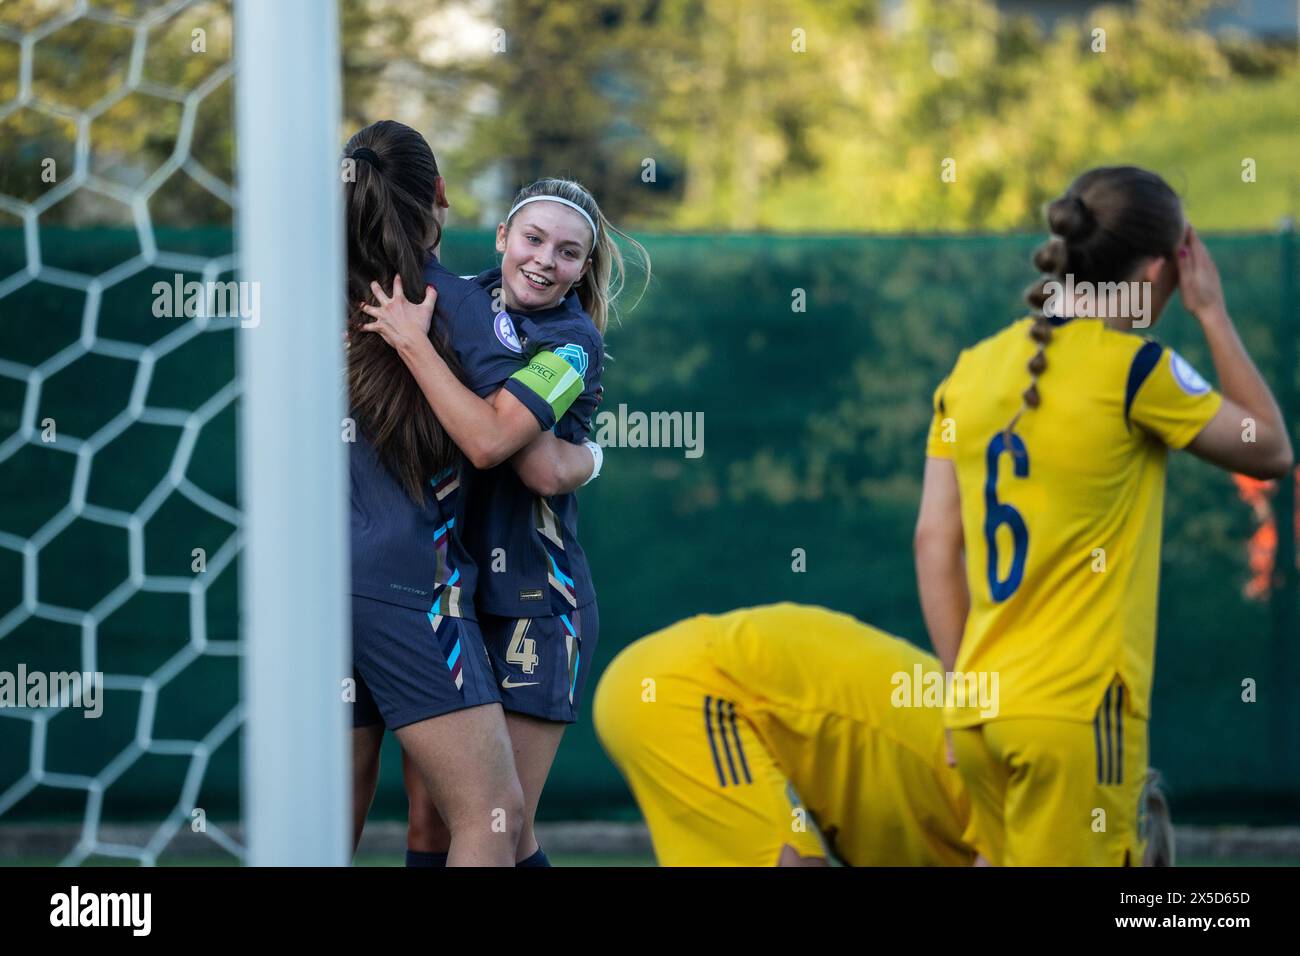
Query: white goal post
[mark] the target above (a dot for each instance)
(292, 471)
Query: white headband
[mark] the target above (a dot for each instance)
(563, 202)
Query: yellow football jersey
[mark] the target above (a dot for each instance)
(1062, 522)
(837, 703)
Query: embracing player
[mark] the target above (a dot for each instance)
(535, 600)
(420, 665)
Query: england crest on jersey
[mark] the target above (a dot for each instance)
(506, 333)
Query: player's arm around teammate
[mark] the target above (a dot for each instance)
(537, 606)
(489, 431)
(548, 468)
(412, 574)
(488, 426)
(418, 659)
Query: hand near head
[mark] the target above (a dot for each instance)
(1198, 278)
(400, 322)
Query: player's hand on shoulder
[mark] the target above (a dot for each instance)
(402, 323)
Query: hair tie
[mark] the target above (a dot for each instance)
(369, 155)
(563, 202)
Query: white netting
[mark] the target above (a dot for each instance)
(110, 50)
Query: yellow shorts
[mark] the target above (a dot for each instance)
(710, 792)
(1057, 792)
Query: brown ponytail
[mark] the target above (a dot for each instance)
(390, 230)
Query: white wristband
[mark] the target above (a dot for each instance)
(598, 454)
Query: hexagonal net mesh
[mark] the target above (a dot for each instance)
(119, 519)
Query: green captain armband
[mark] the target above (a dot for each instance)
(553, 379)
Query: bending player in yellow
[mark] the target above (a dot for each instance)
(1038, 540)
(743, 735)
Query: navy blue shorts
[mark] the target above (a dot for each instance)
(407, 669)
(541, 663)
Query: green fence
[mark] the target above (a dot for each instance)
(813, 434)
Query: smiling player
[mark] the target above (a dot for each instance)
(418, 657)
(536, 602)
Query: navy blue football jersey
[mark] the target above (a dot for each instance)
(531, 564)
(413, 555)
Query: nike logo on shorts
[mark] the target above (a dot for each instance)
(507, 683)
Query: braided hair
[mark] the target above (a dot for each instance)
(1106, 223)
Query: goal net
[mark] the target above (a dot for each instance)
(172, 597)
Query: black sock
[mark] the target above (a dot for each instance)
(537, 859)
(418, 858)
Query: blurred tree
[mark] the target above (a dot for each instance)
(563, 102)
(737, 90)
(698, 114)
(851, 134)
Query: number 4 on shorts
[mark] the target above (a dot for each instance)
(522, 649)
